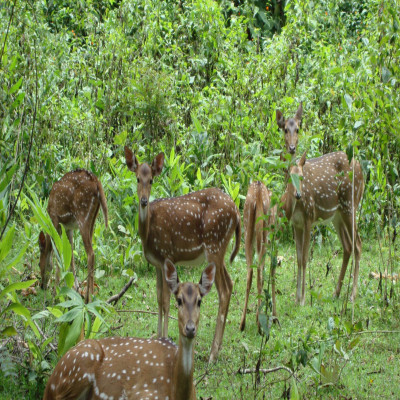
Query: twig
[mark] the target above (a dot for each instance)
(43, 335)
(116, 297)
(244, 371)
(144, 312)
(30, 144)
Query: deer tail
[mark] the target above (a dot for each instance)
(103, 202)
(238, 233)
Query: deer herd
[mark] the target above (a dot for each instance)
(188, 230)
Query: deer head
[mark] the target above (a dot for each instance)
(290, 128)
(144, 175)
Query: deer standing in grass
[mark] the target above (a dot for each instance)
(131, 368)
(257, 205)
(326, 193)
(74, 202)
(187, 230)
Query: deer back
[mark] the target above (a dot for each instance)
(327, 186)
(182, 228)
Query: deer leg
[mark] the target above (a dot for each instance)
(166, 301)
(306, 246)
(298, 236)
(87, 242)
(342, 229)
(357, 252)
(160, 281)
(70, 234)
(249, 259)
(260, 270)
(224, 286)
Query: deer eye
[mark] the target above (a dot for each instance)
(199, 303)
(138, 180)
(151, 181)
(179, 300)
(286, 130)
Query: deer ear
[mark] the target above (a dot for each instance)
(207, 279)
(171, 276)
(280, 120)
(303, 159)
(42, 241)
(157, 165)
(131, 160)
(299, 112)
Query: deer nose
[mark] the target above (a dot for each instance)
(143, 201)
(190, 329)
(298, 195)
(292, 149)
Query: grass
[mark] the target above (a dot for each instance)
(367, 370)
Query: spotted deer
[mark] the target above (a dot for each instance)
(290, 128)
(74, 202)
(134, 368)
(187, 230)
(257, 205)
(327, 193)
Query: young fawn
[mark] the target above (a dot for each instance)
(74, 202)
(186, 229)
(257, 204)
(131, 368)
(326, 193)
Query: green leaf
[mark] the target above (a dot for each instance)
(66, 249)
(16, 86)
(349, 101)
(197, 124)
(296, 181)
(18, 309)
(9, 331)
(7, 177)
(73, 332)
(294, 391)
(6, 243)
(385, 75)
(358, 124)
(17, 286)
(55, 311)
(71, 315)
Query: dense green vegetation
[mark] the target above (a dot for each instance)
(199, 80)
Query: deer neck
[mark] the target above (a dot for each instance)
(183, 371)
(144, 222)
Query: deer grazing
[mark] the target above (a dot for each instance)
(132, 368)
(74, 202)
(257, 204)
(290, 128)
(326, 193)
(186, 229)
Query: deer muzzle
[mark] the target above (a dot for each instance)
(143, 201)
(292, 149)
(190, 330)
(298, 195)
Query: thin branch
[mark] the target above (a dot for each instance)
(43, 335)
(243, 371)
(116, 297)
(30, 145)
(8, 29)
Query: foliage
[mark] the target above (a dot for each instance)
(199, 80)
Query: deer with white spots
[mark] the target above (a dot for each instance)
(330, 190)
(122, 368)
(290, 128)
(187, 230)
(74, 202)
(257, 204)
